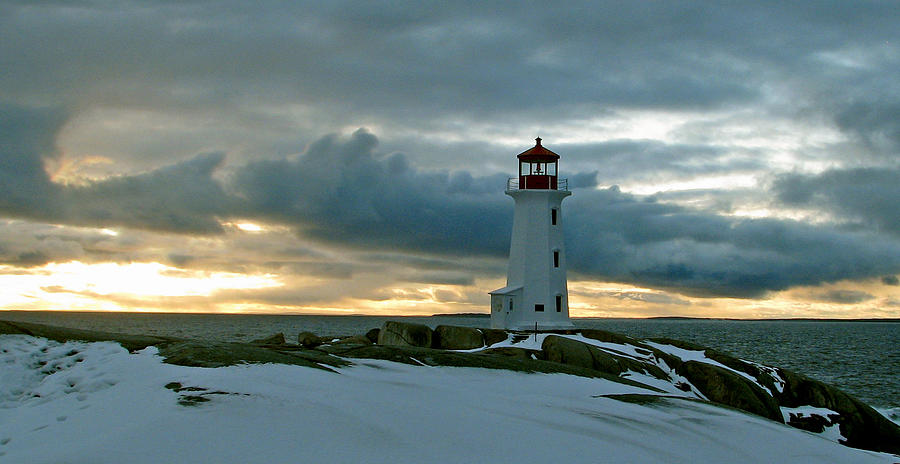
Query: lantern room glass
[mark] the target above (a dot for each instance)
(537, 168)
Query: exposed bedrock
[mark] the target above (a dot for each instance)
(448, 337)
(763, 393)
(567, 351)
(725, 387)
(308, 340)
(404, 334)
(862, 426)
(274, 340)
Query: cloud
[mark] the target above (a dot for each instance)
(444, 278)
(874, 124)
(644, 297)
(341, 192)
(890, 280)
(866, 195)
(182, 198)
(27, 139)
(401, 61)
(625, 238)
(844, 296)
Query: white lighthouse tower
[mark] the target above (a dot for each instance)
(535, 295)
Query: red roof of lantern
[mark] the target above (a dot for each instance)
(538, 153)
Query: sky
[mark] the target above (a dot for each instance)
(727, 159)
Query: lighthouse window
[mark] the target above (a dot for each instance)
(555, 259)
(539, 308)
(553, 213)
(558, 303)
(537, 169)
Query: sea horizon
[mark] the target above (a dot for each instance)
(464, 314)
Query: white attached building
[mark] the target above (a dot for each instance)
(535, 294)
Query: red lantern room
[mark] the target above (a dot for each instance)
(537, 168)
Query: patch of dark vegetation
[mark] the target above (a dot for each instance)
(634, 398)
(191, 400)
(197, 394)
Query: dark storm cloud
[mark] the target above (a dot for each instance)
(652, 160)
(865, 195)
(181, 198)
(342, 192)
(448, 69)
(27, 138)
(875, 124)
(404, 59)
(627, 238)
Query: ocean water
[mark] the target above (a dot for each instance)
(861, 358)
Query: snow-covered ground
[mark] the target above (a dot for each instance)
(97, 403)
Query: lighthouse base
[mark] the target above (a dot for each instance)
(508, 312)
(540, 327)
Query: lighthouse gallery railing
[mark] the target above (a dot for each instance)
(513, 184)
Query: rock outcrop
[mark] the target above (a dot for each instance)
(725, 387)
(567, 351)
(861, 426)
(667, 367)
(308, 340)
(394, 333)
(732, 382)
(277, 339)
(492, 336)
(449, 337)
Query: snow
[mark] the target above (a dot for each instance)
(98, 403)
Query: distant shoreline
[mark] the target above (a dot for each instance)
(475, 315)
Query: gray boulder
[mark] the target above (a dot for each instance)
(308, 340)
(277, 339)
(492, 336)
(449, 337)
(394, 333)
(566, 351)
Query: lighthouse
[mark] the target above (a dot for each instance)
(535, 295)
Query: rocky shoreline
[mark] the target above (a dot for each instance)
(667, 369)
